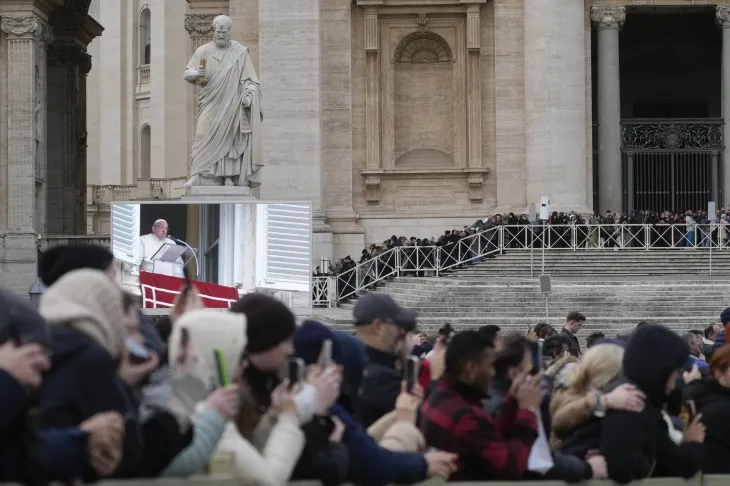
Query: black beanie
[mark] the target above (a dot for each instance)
(268, 321)
(60, 260)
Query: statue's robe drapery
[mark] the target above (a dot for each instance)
(227, 132)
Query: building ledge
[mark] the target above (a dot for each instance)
(425, 171)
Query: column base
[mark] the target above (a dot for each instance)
(18, 260)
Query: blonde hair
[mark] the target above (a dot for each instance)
(600, 365)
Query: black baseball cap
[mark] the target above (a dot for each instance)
(375, 306)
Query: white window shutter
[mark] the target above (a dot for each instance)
(283, 247)
(125, 232)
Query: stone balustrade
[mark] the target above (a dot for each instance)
(47, 242)
(144, 74)
(170, 188)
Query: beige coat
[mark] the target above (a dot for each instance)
(269, 463)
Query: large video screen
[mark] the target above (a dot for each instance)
(223, 250)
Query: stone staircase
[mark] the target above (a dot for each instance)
(588, 263)
(615, 290)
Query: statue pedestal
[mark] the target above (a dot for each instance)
(214, 194)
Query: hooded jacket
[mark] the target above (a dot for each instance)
(29, 455)
(85, 312)
(364, 451)
(638, 445)
(713, 402)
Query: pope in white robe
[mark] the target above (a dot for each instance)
(150, 244)
(226, 149)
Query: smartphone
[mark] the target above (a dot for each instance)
(221, 368)
(295, 371)
(411, 371)
(326, 353)
(188, 281)
(538, 363)
(689, 411)
(137, 352)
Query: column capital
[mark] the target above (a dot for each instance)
(65, 54)
(608, 16)
(29, 26)
(201, 24)
(722, 15)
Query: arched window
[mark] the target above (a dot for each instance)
(146, 139)
(145, 36)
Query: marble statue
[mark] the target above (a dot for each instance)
(226, 148)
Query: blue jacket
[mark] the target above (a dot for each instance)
(719, 341)
(372, 465)
(61, 454)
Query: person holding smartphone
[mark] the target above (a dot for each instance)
(384, 327)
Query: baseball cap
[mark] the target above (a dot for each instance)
(374, 306)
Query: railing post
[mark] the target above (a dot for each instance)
(437, 263)
(647, 236)
(573, 237)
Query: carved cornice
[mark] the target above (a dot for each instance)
(722, 15)
(199, 23)
(29, 26)
(608, 16)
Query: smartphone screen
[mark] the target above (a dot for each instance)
(295, 372)
(326, 354)
(411, 372)
(689, 411)
(538, 362)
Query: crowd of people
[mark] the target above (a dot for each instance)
(93, 390)
(564, 230)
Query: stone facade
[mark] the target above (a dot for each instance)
(43, 68)
(391, 116)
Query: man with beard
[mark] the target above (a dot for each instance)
(384, 327)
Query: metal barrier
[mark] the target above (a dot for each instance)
(230, 481)
(327, 291)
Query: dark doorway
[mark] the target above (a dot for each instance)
(670, 63)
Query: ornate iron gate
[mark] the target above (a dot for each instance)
(671, 164)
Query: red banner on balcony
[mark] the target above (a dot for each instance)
(159, 292)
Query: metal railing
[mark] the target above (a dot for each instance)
(328, 291)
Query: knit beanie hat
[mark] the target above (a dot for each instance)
(59, 260)
(89, 302)
(269, 321)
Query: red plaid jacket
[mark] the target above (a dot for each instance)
(453, 419)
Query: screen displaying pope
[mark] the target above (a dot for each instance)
(151, 243)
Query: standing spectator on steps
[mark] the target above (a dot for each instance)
(573, 323)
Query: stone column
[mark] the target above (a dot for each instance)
(608, 20)
(63, 131)
(555, 103)
(723, 19)
(26, 135)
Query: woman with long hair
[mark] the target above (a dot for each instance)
(576, 410)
